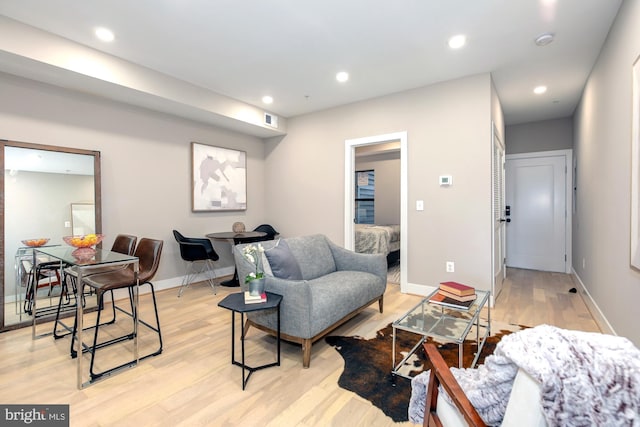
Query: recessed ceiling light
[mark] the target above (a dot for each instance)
(456, 42)
(342, 76)
(104, 34)
(544, 39)
(267, 99)
(539, 90)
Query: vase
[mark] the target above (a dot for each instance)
(256, 287)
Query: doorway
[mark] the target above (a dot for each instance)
(350, 172)
(538, 192)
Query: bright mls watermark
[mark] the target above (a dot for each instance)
(34, 415)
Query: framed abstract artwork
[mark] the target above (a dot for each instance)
(218, 178)
(635, 168)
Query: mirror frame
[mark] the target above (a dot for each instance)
(98, 204)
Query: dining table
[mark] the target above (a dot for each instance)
(236, 239)
(81, 266)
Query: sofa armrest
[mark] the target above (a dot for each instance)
(347, 260)
(441, 375)
(294, 308)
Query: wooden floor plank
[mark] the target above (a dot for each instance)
(192, 383)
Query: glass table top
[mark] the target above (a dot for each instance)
(101, 256)
(440, 321)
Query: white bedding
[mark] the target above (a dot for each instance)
(377, 239)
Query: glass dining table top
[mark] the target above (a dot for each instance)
(101, 256)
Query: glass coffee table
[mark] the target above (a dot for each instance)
(443, 323)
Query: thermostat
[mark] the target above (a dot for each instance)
(445, 180)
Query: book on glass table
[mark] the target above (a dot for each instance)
(457, 288)
(457, 297)
(254, 299)
(440, 299)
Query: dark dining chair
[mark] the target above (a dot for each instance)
(148, 253)
(267, 228)
(194, 251)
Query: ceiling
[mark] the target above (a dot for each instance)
(18, 159)
(292, 49)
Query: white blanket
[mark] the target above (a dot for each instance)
(587, 379)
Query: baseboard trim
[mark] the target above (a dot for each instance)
(593, 308)
(415, 289)
(173, 282)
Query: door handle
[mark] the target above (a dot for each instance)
(505, 220)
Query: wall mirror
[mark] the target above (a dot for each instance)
(47, 192)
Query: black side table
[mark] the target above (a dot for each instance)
(235, 303)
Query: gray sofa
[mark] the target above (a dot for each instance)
(331, 286)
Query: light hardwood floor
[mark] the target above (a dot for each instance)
(192, 383)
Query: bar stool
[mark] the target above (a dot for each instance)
(124, 244)
(148, 253)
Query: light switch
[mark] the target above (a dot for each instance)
(419, 205)
(67, 224)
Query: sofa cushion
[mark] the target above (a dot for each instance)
(337, 294)
(313, 254)
(524, 403)
(282, 262)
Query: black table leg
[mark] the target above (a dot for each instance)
(233, 282)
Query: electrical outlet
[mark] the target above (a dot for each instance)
(451, 266)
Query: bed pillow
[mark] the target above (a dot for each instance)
(283, 264)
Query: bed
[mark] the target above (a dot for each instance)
(378, 239)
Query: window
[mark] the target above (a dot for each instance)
(365, 197)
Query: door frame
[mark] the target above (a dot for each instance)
(349, 192)
(495, 139)
(568, 213)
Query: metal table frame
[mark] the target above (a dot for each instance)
(25, 253)
(235, 303)
(102, 258)
(433, 317)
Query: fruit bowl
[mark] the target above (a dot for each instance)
(85, 241)
(35, 243)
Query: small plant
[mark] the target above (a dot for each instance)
(253, 254)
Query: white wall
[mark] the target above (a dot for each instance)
(295, 182)
(449, 133)
(546, 135)
(146, 166)
(37, 206)
(602, 147)
(387, 188)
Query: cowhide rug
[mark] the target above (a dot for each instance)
(368, 364)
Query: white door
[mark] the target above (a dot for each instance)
(536, 202)
(498, 216)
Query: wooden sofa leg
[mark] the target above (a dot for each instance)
(306, 353)
(380, 302)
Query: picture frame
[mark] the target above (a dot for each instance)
(635, 168)
(218, 178)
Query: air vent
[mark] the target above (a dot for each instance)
(271, 120)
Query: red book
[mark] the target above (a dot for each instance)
(457, 288)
